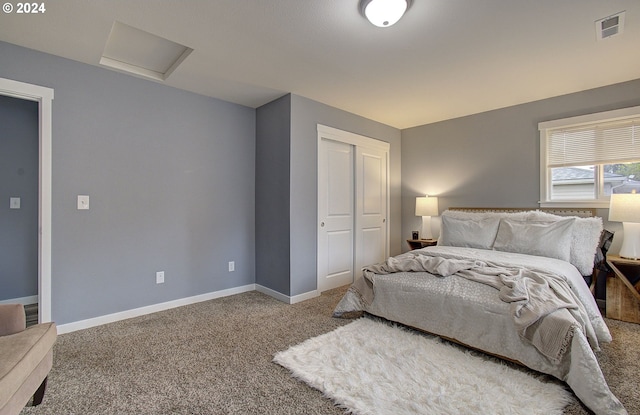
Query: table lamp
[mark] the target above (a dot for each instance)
(625, 208)
(426, 207)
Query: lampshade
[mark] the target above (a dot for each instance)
(625, 207)
(426, 206)
(384, 13)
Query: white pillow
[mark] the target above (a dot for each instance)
(584, 241)
(548, 239)
(470, 233)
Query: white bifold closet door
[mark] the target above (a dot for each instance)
(352, 205)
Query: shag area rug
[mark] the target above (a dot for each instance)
(371, 367)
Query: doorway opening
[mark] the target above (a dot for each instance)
(19, 170)
(44, 97)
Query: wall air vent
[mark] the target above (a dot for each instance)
(610, 26)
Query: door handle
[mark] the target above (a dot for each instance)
(322, 224)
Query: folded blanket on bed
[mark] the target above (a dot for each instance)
(532, 295)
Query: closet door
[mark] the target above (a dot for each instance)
(353, 200)
(371, 206)
(336, 214)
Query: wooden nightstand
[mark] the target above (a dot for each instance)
(421, 243)
(623, 289)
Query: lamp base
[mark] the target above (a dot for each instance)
(631, 243)
(426, 228)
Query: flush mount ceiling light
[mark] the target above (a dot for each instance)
(383, 13)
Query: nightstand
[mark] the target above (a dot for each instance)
(421, 243)
(623, 289)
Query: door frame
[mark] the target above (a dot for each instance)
(357, 140)
(44, 97)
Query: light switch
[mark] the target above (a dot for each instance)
(14, 203)
(83, 202)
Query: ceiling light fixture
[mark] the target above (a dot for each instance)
(384, 13)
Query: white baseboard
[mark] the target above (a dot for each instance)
(32, 299)
(305, 296)
(285, 298)
(154, 308)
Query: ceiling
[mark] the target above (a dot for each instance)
(443, 59)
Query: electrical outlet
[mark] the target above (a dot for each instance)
(160, 277)
(232, 266)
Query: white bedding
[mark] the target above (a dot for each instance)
(472, 313)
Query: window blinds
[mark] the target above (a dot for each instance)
(597, 143)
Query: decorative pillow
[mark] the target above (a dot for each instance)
(469, 233)
(548, 239)
(584, 241)
(600, 260)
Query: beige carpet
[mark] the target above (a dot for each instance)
(215, 357)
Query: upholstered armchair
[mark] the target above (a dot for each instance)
(26, 357)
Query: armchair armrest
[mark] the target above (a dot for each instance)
(12, 319)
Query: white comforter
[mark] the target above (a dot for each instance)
(472, 313)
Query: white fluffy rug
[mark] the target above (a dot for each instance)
(370, 367)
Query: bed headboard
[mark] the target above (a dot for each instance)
(579, 212)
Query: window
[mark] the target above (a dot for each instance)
(583, 160)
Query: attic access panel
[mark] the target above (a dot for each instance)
(135, 51)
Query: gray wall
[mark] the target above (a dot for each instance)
(492, 159)
(171, 177)
(305, 115)
(290, 126)
(18, 178)
(273, 137)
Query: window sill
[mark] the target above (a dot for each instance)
(597, 204)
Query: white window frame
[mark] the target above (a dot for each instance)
(600, 200)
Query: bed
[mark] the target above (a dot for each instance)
(508, 283)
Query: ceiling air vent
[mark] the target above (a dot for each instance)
(610, 26)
